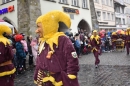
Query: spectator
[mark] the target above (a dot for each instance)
(29, 39)
(34, 47)
(21, 55)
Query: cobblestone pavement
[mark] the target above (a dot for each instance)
(114, 70)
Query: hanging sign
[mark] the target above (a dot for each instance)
(7, 10)
(70, 10)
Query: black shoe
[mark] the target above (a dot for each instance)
(96, 66)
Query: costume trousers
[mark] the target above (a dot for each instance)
(113, 45)
(127, 47)
(96, 55)
(7, 80)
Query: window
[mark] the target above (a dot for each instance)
(118, 21)
(117, 9)
(96, 1)
(123, 21)
(75, 2)
(104, 15)
(5, 1)
(72, 16)
(85, 4)
(63, 1)
(122, 8)
(111, 3)
(103, 1)
(108, 16)
(98, 14)
(112, 15)
(107, 2)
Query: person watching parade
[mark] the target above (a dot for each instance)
(95, 44)
(57, 61)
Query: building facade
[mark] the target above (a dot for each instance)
(127, 12)
(25, 13)
(105, 14)
(120, 15)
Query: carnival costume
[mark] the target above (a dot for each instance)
(95, 43)
(57, 62)
(127, 40)
(7, 69)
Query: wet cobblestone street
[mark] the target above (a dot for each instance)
(114, 70)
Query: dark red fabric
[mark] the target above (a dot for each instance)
(6, 54)
(7, 80)
(62, 62)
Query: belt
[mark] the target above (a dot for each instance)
(6, 63)
(48, 74)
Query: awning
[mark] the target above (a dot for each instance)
(113, 27)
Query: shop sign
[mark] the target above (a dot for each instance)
(70, 10)
(7, 10)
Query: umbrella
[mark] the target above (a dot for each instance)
(119, 31)
(2, 20)
(7, 24)
(102, 31)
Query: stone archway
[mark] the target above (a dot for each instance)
(83, 24)
(10, 22)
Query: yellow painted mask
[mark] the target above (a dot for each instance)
(50, 24)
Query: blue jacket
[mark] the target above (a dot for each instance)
(20, 51)
(77, 44)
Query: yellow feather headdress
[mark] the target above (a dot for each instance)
(7, 30)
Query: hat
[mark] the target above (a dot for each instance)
(95, 31)
(18, 37)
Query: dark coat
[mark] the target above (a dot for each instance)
(20, 51)
(61, 63)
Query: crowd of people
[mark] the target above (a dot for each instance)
(23, 48)
(82, 42)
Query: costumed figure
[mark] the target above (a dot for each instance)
(7, 69)
(127, 40)
(114, 38)
(57, 61)
(95, 44)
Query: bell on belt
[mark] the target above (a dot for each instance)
(39, 78)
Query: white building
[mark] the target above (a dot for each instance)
(78, 10)
(105, 14)
(127, 12)
(120, 14)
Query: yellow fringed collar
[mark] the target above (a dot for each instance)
(52, 39)
(4, 40)
(96, 38)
